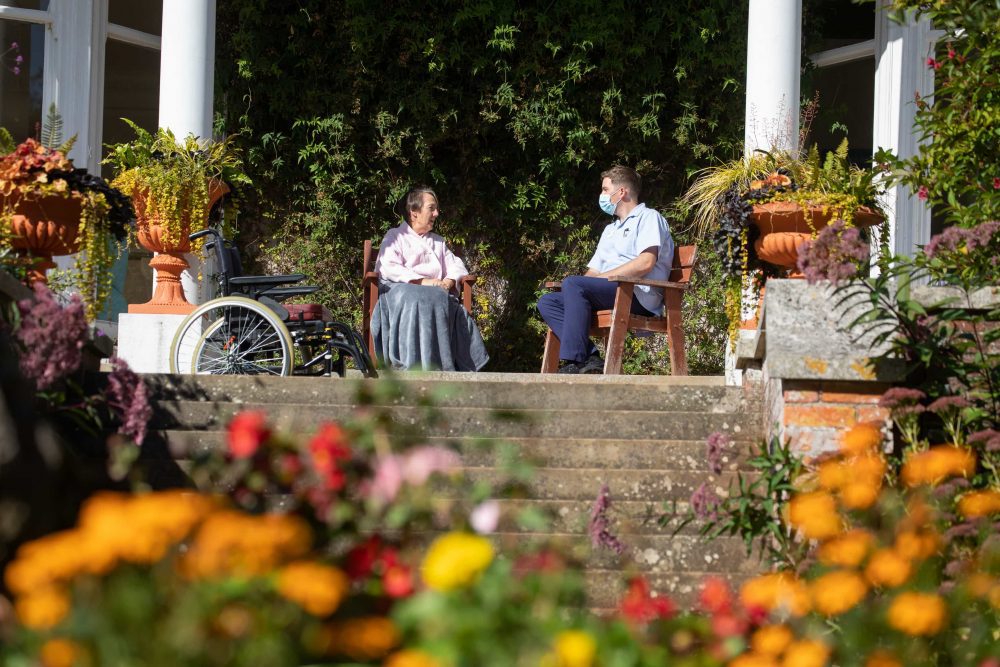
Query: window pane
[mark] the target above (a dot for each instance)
(846, 102)
(131, 90)
(144, 15)
(23, 48)
(26, 4)
(840, 22)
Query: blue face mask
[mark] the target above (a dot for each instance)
(607, 205)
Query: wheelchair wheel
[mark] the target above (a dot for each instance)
(232, 335)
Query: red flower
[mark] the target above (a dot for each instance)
(932, 63)
(247, 432)
(640, 607)
(715, 596)
(327, 448)
(541, 561)
(360, 560)
(397, 581)
(996, 183)
(922, 193)
(727, 625)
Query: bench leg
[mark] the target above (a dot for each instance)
(550, 358)
(619, 329)
(675, 333)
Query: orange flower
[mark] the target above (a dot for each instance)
(42, 609)
(918, 614)
(316, 587)
(915, 545)
(60, 653)
(882, 658)
(838, 591)
(806, 653)
(752, 659)
(779, 590)
(832, 474)
(411, 658)
(858, 495)
(362, 639)
(861, 438)
(815, 514)
(937, 464)
(771, 640)
(888, 568)
(979, 503)
(847, 550)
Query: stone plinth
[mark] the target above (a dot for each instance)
(144, 340)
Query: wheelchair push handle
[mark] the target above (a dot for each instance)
(208, 231)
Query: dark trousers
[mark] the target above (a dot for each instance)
(569, 313)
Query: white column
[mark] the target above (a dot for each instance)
(187, 86)
(774, 56)
(901, 52)
(771, 120)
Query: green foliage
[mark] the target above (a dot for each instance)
(7, 143)
(751, 509)
(957, 168)
(52, 132)
(509, 111)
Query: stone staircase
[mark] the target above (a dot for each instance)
(642, 436)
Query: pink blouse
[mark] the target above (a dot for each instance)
(405, 255)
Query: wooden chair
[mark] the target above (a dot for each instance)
(369, 293)
(616, 323)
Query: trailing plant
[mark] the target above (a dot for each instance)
(33, 172)
(174, 177)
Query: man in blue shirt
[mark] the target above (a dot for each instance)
(636, 244)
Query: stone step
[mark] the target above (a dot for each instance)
(618, 393)
(627, 517)
(561, 452)
(605, 587)
(464, 422)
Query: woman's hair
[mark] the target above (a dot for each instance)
(414, 199)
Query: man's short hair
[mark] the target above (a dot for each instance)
(624, 176)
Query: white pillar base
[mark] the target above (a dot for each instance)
(144, 340)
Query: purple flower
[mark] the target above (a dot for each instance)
(901, 396)
(128, 397)
(947, 404)
(704, 502)
(16, 70)
(989, 439)
(14, 46)
(51, 337)
(600, 525)
(715, 447)
(954, 238)
(835, 254)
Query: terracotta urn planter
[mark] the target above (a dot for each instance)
(43, 228)
(784, 226)
(168, 259)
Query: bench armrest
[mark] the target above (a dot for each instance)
(652, 283)
(469, 279)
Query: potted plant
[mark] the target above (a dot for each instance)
(173, 185)
(50, 207)
(760, 210)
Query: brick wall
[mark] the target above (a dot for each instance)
(814, 413)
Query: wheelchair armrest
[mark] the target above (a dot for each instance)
(282, 293)
(267, 281)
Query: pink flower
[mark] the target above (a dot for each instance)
(485, 517)
(931, 63)
(247, 432)
(422, 462)
(388, 479)
(923, 192)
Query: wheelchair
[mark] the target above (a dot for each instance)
(247, 330)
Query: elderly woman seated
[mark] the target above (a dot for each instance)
(419, 321)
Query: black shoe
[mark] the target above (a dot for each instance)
(594, 365)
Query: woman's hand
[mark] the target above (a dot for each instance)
(447, 284)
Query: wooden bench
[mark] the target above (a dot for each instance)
(369, 293)
(614, 324)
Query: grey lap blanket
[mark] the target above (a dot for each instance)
(419, 326)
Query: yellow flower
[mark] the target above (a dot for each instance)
(316, 587)
(882, 658)
(936, 464)
(915, 545)
(42, 609)
(861, 438)
(411, 658)
(779, 590)
(836, 592)
(979, 503)
(575, 648)
(847, 550)
(815, 514)
(363, 639)
(771, 640)
(888, 568)
(806, 653)
(918, 613)
(60, 653)
(455, 560)
(753, 660)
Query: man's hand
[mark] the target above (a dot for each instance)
(636, 268)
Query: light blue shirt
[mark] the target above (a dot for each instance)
(623, 241)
